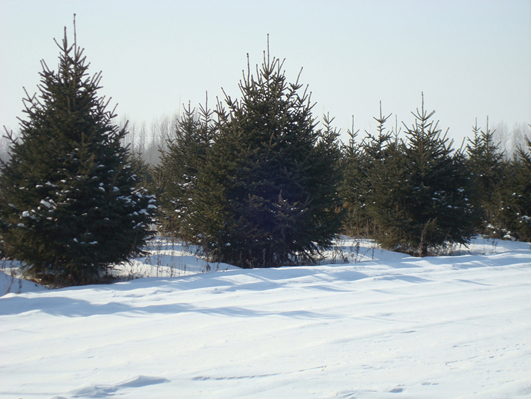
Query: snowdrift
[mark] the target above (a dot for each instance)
(11, 284)
(384, 325)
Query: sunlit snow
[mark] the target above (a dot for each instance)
(382, 325)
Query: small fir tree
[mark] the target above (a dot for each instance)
(382, 172)
(372, 181)
(354, 189)
(387, 174)
(484, 163)
(517, 206)
(178, 171)
(421, 194)
(70, 202)
(438, 206)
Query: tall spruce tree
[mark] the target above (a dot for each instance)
(268, 194)
(70, 205)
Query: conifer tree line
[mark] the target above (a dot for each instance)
(414, 193)
(258, 181)
(254, 183)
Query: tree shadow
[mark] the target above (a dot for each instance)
(62, 302)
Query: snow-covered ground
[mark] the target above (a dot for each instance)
(384, 325)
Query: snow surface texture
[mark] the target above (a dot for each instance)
(385, 325)
(9, 283)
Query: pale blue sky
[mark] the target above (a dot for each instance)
(471, 58)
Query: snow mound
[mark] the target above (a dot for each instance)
(9, 284)
(167, 258)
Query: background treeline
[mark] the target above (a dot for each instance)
(403, 184)
(146, 140)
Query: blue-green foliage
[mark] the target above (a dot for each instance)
(71, 205)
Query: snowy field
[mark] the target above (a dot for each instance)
(383, 325)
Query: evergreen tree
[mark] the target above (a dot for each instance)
(517, 206)
(439, 210)
(353, 187)
(362, 178)
(177, 174)
(484, 163)
(268, 194)
(389, 185)
(421, 194)
(70, 204)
